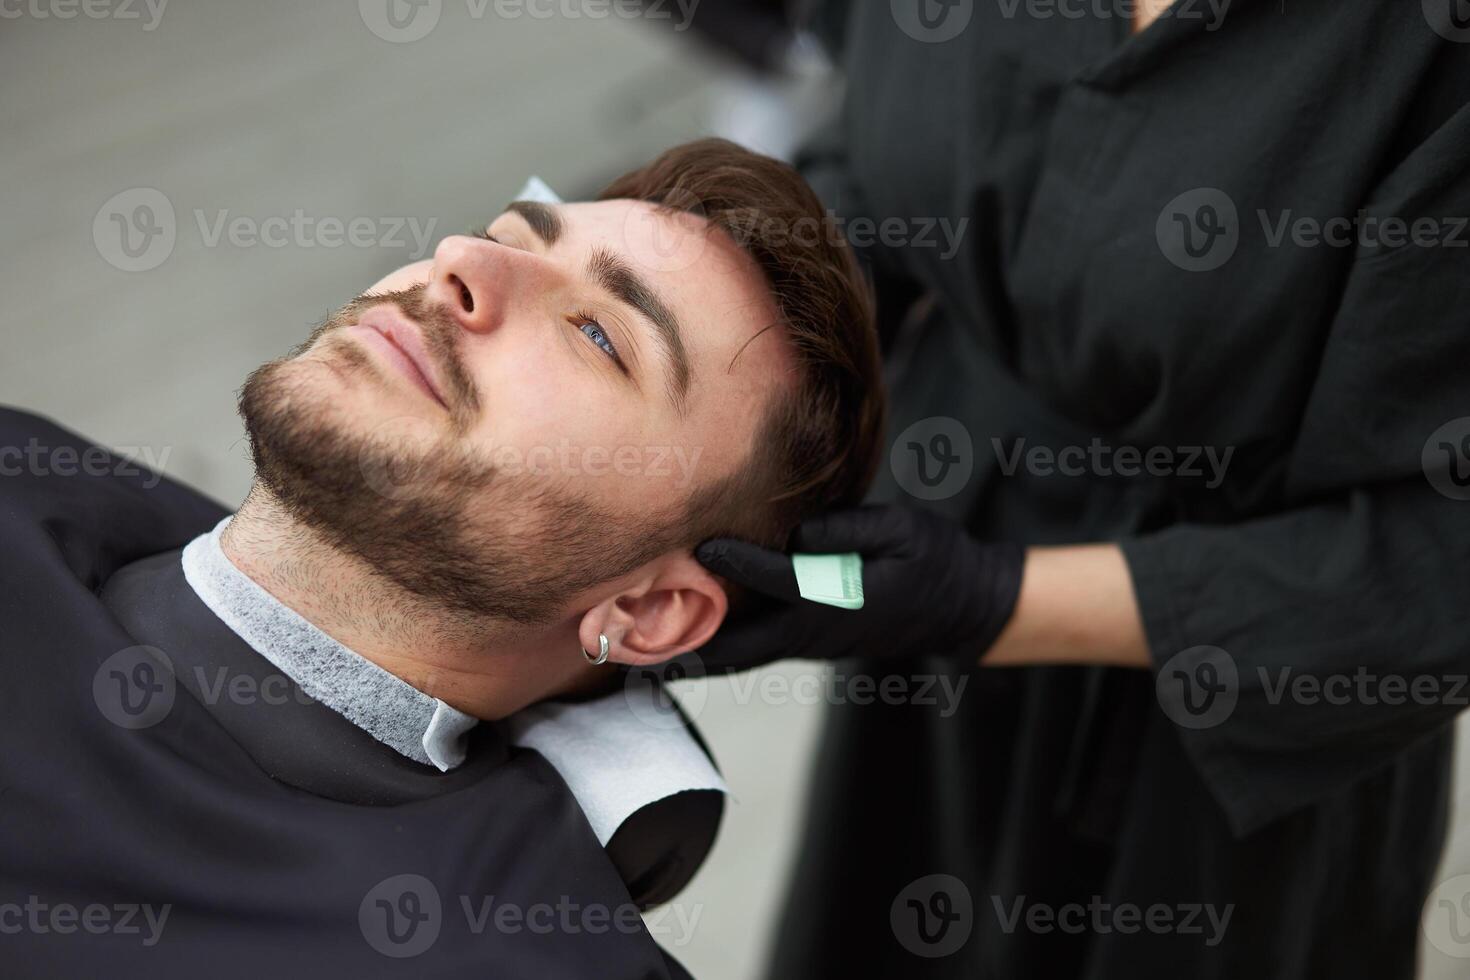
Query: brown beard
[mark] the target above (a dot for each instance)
(415, 504)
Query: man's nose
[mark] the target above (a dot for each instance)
(476, 280)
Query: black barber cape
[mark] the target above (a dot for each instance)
(1073, 310)
(165, 811)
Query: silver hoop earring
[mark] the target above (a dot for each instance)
(601, 657)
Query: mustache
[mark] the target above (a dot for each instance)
(441, 334)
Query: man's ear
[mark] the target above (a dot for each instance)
(671, 606)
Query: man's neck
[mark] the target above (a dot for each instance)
(488, 669)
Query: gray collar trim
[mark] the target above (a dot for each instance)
(394, 712)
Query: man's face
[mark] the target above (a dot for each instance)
(525, 415)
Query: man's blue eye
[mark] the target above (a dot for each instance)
(598, 336)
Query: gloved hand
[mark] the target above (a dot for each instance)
(928, 588)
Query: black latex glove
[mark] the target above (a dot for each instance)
(928, 588)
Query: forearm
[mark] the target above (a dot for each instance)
(1076, 606)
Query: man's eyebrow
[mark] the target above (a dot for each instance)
(609, 271)
(542, 218)
(613, 274)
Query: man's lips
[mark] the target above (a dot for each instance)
(400, 341)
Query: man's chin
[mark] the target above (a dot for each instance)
(317, 421)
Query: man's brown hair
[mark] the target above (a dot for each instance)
(819, 442)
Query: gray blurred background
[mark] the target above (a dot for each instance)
(324, 114)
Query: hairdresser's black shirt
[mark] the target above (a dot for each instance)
(1076, 309)
(168, 808)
